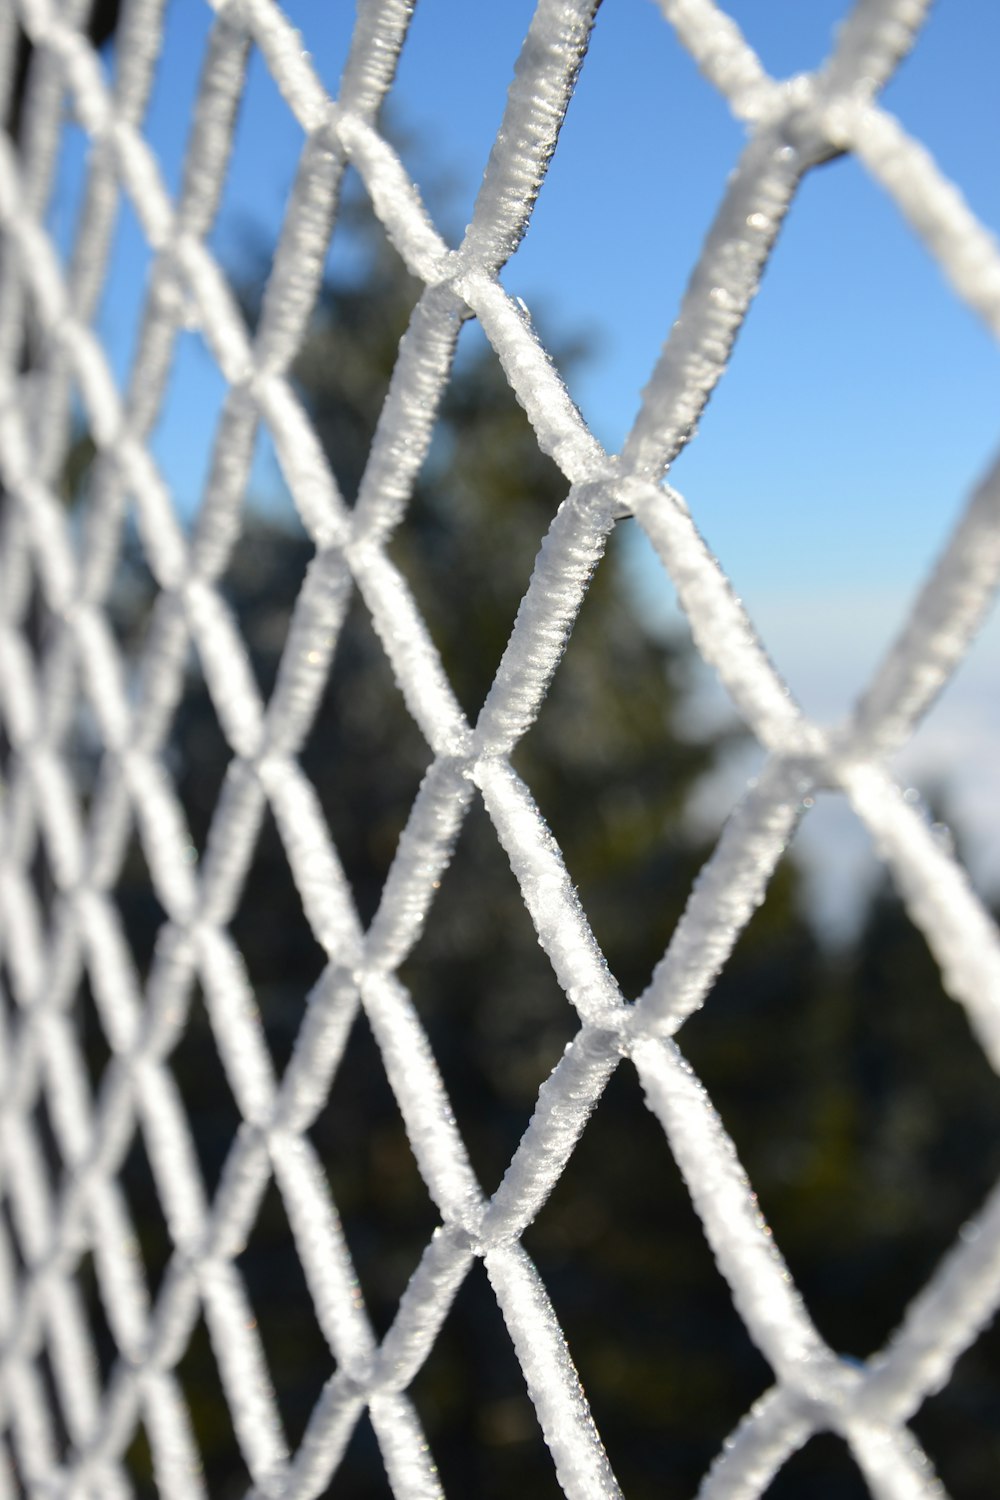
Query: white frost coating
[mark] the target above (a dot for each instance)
(966, 252)
(50, 682)
(423, 1102)
(565, 1102)
(423, 1308)
(411, 652)
(409, 1467)
(406, 423)
(581, 1463)
(544, 75)
(559, 427)
(305, 662)
(938, 896)
(768, 1435)
(545, 617)
(723, 54)
(288, 61)
(720, 626)
(727, 892)
(423, 852)
(548, 893)
(243, 1371)
(325, 1257)
(942, 1321)
(943, 623)
(871, 43)
(722, 286)
(894, 1464)
(720, 1190)
(395, 199)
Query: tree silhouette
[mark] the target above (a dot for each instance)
(613, 765)
(820, 1066)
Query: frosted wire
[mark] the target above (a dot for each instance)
(43, 690)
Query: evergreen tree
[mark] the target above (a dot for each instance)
(819, 1068)
(613, 765)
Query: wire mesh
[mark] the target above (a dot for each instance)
(51, 678)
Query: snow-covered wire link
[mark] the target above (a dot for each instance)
(74, 673)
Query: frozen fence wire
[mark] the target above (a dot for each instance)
(48, 350)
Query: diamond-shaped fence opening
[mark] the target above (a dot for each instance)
(362, 735)
(967, 1464)
(484, 1427)
(215, 1117)
(263, 155)
(298, 1357)
(495, 1014)
(183, 442)
(673, 1370)
(385, 1212)
(119, 315)
(220, 1460)
(823, 1460)
(63, 212)
(243, 977)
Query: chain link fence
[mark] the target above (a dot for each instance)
(65, 685)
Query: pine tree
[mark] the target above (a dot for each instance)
(613, 766)
(817, 1066)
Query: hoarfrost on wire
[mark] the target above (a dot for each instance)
(791, 127)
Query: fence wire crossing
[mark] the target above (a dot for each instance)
(78, 671)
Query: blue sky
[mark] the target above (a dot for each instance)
(861, 402)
